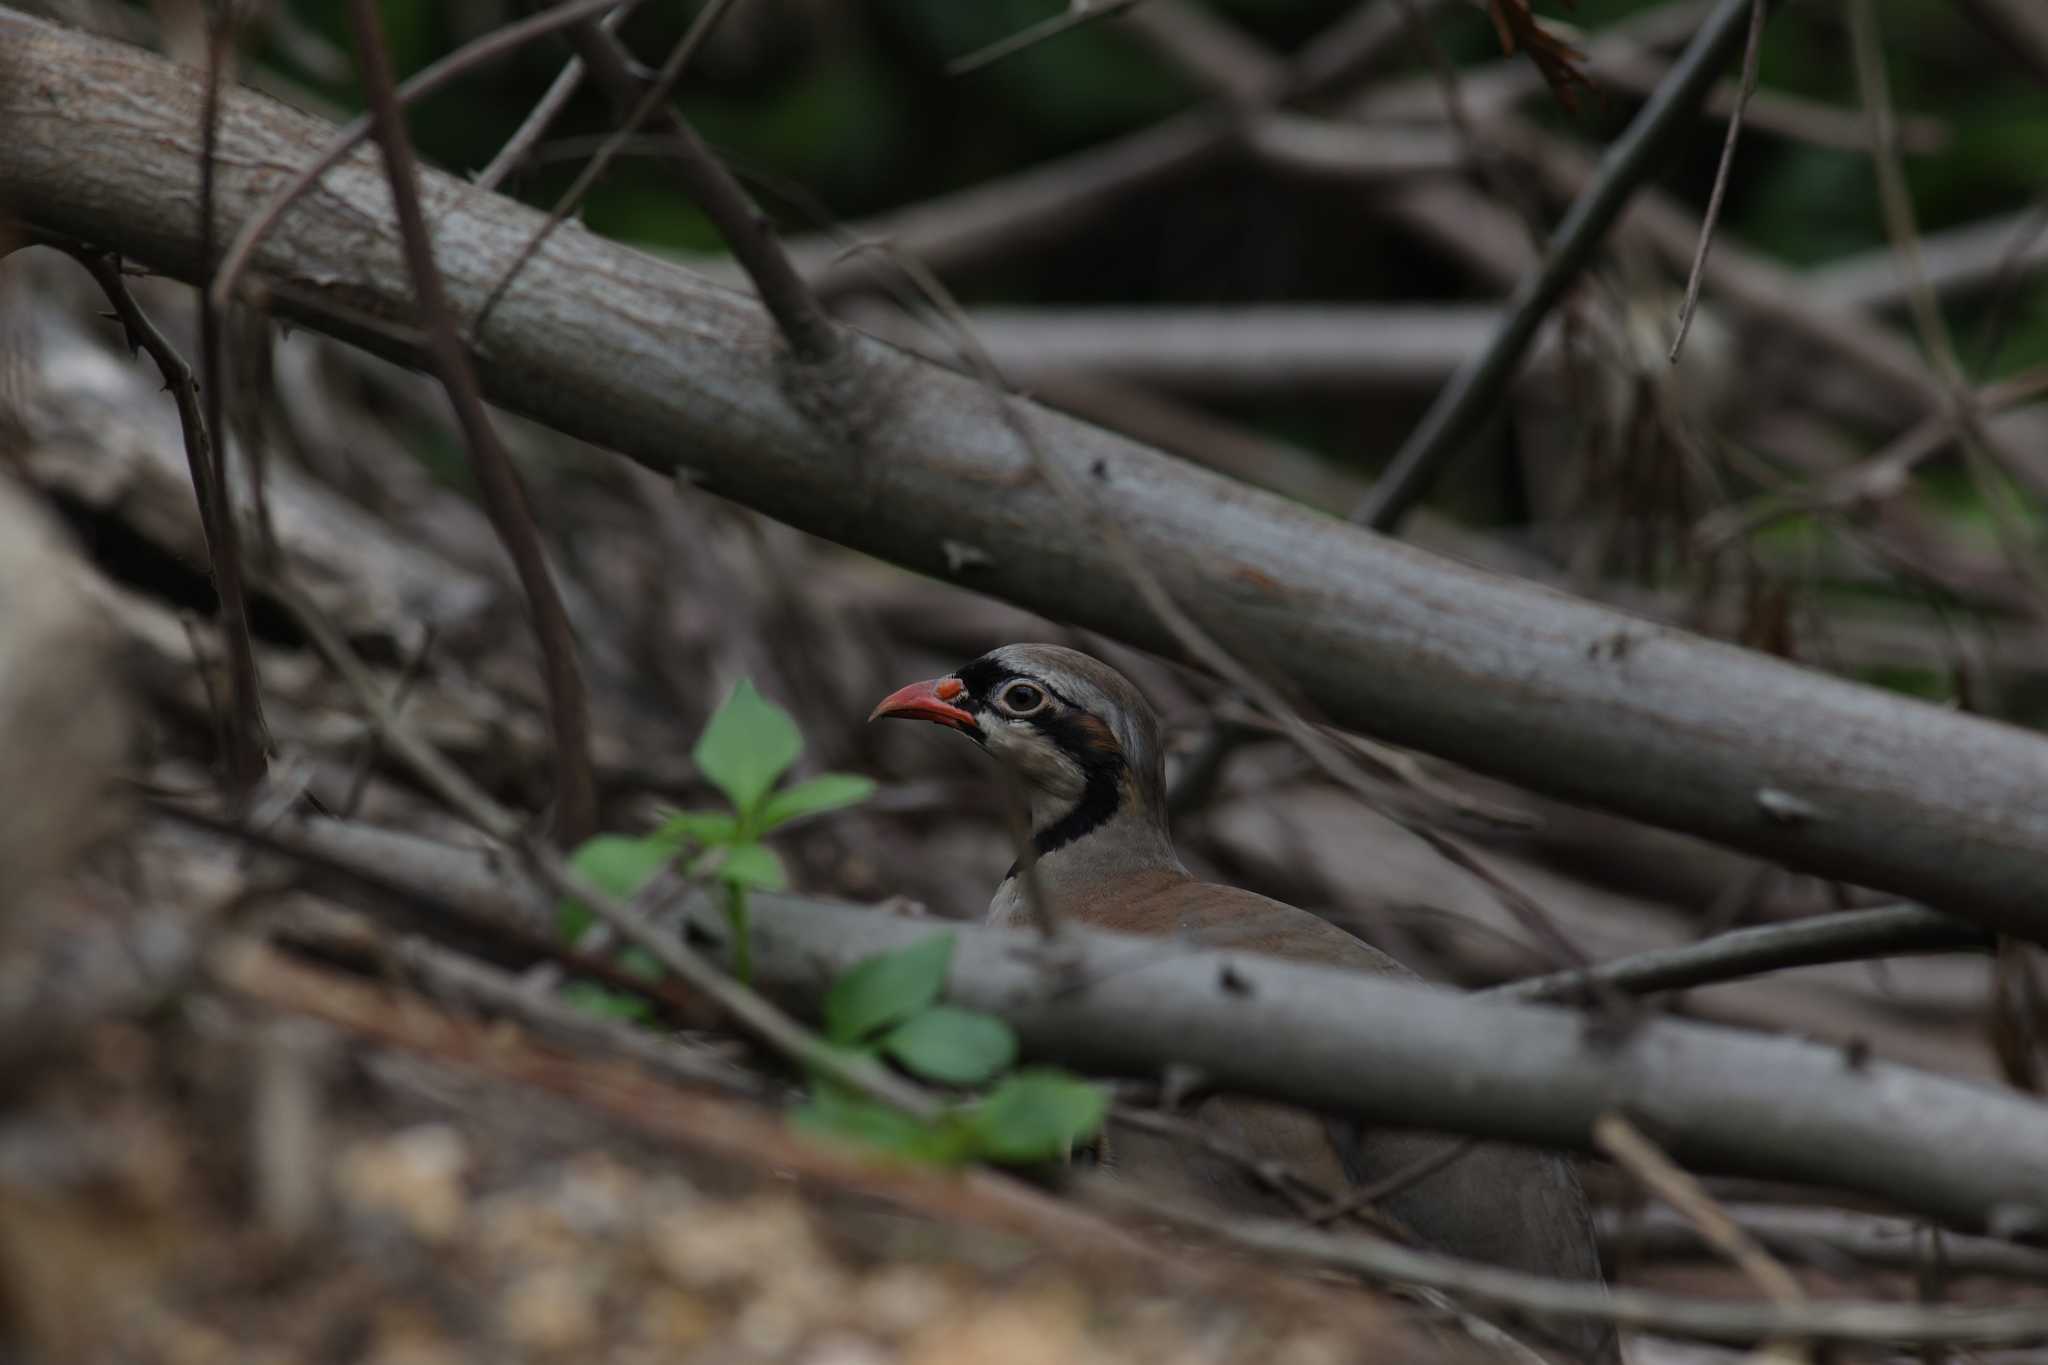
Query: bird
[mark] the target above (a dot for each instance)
(1083, 745)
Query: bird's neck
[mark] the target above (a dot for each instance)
(1073, 872)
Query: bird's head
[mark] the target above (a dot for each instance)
(1072, 730)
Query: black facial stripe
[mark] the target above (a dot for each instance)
(985, 677)
(1079, 735)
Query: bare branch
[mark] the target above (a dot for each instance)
(1399, 1053)
(1669, 1314)
(1477, 387)
(811, 333)
(652, 98)
(1851, 936)
(1079, 13)
(1750, 57)
(470, 57)
(247, 750)
(1664, 1178)
(533, 127)
(504, 496)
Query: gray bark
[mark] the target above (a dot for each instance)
(906, 461)
(1379, 1049)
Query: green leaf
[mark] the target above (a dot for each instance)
(953, 1046)
(815, 796)
(748, 744)
(886, 988)
(618, 866)
(753, 865)
(1037, 1116)
(604, 1003)
(836, 1114)
(704, 828)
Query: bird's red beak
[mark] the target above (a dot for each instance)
(929, 700)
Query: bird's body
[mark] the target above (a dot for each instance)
(1084, 744)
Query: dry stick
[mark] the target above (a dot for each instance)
(447, 974)
(246, 751)
(1080, 13)
(543, 114)
(1057, 197)
(1847, 936)
(179, 379)
(1207, 48)
(465, 59)
(1881, 477)
(1794, 117)
(1750, 58)
(650, 100)
(1391, 1184)
(535, 126)
(1478, 385)
(1980, 451)
(1663, 1177)
(750, 1013)
(443, 878)
(1646, 1310)
(809, 329)
(2019, 30)
(1768, 1106)
(1276, 1176)
(1822, 1237)
(504, 496)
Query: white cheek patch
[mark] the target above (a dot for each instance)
(1035, 758)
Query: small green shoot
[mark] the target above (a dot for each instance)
(889, 1004)
(746, 747)
(886, 1005)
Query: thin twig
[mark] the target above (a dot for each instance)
(1277, 1177)
(1663, 1177)
(451, 975)
(1830, 1239)
(1981, 453)
(1848, 936)
(1391, 1184)
(811, 333)
(1668, 1314)
(1079, 12)
(470, 57)
(1880, 478)
(247, 752)
(504, 496)
(1476, 389)
(543, 114)
(650, 99)
(1750, 58)
(534, 127)
(143, 334)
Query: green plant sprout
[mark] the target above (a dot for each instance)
(746, 747)
(888, 1005)
(884, 1006)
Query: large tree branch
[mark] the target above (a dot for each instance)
(605, 342)
(1380, 1049)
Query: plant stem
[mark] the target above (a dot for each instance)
(742, 936)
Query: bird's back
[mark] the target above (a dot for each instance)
(1509, 1206)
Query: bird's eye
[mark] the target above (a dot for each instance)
(1021, 699)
